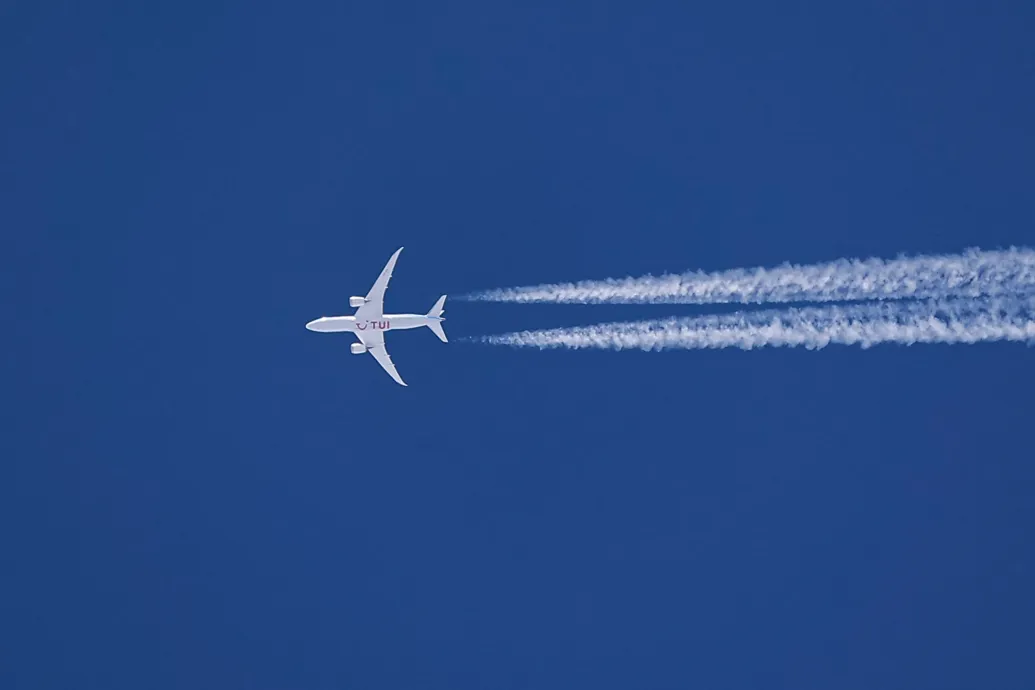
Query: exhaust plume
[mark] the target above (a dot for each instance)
(904, 323)
(974, 273)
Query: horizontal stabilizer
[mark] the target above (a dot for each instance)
(440, 306)
(436, 319)
(436, 328)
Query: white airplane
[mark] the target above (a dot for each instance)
(369, 323)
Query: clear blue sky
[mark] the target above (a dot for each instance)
(196, 492)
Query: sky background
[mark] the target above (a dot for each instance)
(196, 492)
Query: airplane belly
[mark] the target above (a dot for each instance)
(330, 324)
(398, 322)
(374, 325)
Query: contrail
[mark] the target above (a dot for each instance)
(904, 323)
(973, 273)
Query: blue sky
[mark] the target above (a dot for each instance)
(197, 492)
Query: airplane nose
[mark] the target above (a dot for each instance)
(311, 326)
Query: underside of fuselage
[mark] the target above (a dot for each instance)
(387, 322)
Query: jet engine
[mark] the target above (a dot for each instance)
(358, 348)
(357, 301)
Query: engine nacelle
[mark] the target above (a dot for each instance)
(358, 348)
(357, 301)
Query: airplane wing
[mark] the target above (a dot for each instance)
(375, 342)
(374, 307)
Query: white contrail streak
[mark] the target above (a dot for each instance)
(973, 273)
(904, 323)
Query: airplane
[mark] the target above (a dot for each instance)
(369, 323)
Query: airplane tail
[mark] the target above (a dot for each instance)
(435, 324)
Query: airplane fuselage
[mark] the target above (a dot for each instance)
(388, 322)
